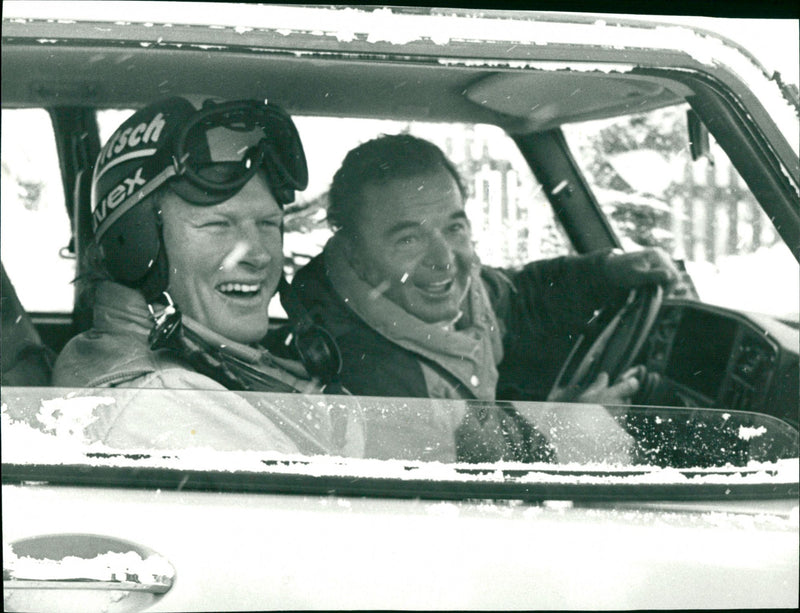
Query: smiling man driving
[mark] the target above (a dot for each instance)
(187, 208)
(416, 314)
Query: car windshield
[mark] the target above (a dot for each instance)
(422, 446)
(700, 211)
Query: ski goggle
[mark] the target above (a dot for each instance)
(196, 176)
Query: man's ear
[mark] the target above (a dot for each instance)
(353, 253)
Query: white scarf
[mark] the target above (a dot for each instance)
(470, 354)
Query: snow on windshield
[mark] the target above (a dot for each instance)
(51, 431)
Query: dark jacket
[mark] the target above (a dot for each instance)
(542, 309)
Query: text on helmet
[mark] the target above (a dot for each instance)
(116, 197)
(133, 136)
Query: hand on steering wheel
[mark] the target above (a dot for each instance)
(628, 270)
(592, 363)
(600, 391)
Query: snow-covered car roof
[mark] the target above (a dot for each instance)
(401, 63)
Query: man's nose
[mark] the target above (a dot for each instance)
(439, 254)
(252, 248)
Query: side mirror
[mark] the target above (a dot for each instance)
(698, 136)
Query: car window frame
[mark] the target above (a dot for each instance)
(50, 446)
(588, 199)
(472, 482)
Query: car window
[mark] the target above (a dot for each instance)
(109, 120)
(33, 206)
(43, 426)
(504, 196)
(701, 212)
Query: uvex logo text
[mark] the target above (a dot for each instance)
(133, 136)
(116, 197)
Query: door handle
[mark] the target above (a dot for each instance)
(65, 572)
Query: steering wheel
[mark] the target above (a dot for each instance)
(612, 350)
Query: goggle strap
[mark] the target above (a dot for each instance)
(280, 174)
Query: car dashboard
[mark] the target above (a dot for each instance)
(711, 356)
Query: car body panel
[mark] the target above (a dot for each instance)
(249, 530)
(317, 552)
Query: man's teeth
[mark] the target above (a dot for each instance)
(239, 288)
(439, 286)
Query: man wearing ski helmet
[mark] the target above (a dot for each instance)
(187, 216)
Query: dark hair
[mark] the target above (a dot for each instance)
(379, 161)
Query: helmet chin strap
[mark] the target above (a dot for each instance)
(153, 285)
(315, 347)
(166, 325)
